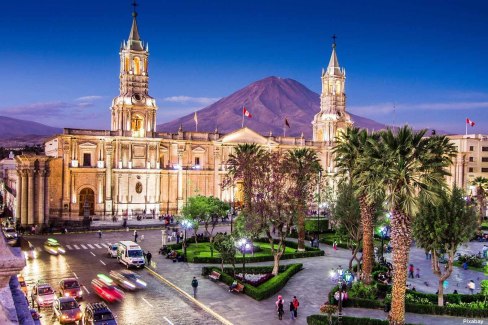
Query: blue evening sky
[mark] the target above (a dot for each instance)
(427, 58)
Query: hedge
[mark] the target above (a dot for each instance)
(346, 320)
(311, 225)
(309, 252)
(264, 290)
(433, 309)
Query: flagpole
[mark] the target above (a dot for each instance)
(466, 128)
(284, 131)
(242, 124)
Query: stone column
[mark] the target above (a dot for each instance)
(41, 196)
(23, 199)
(18, 195)
(108, 177)
(30, 199)
(180, 181)
(216, 184)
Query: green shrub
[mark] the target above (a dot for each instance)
(264, 290)
(346, 320)
(472, 260)
(311, 225)
(360, 290)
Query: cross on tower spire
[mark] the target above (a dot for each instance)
(334, 40)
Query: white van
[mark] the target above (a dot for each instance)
(130, 254)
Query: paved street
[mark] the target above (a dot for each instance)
(159, 300)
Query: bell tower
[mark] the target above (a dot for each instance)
(332, 116)
(133, 112)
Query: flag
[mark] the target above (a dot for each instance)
(195, 118)
(468, 121)
(246, 113)
(286, 122)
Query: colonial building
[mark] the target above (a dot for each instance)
(132, 169)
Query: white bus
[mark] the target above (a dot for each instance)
(130, 254)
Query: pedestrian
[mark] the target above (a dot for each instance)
(426, 254)
(471, 286)
(465, 265)
(142, 237)
(430, 254)
(99, 234)
(417, 274)
(148, 257)
(292, 311)
(410, 271)
(296, 303)
(135, 235)
(177, 238)
(279, 307)
(194, 284)
(334, 245)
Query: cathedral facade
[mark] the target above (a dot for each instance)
(132, 169)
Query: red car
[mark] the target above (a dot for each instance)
(105, 288)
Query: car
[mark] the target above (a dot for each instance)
(27, 248)
(10, 235)
(112, 250)
(22, 284)
(42, 294)
(106, 289)
(66, 310)
(128, 279)
(98, 314)
(70, 287)
(53, 247)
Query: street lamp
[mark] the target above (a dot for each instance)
(318, 207)
(243, 244)
(382, 233)
(340, 282)
(186, 224)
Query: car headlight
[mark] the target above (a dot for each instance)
(142, 283)
(39, 299)
(80, 292)
(66, 294)
(61, 250)
(130, 285)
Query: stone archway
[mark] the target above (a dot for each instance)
(86, 201)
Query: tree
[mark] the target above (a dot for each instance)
(349, 153)
(303, 165)
(442, 228)
(481, 184)
(225, 245)
(242, 166)
(405, 165)
(347, 215)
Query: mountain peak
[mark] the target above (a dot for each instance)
(270, 100)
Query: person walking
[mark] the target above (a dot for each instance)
(279, 307)
(194, 284)
(148, 257)
(417, 273)
(410, 271)
(135, 236)
(471, 286)
(292, 311)
(99, 234)
(334, 245)
(296, 303)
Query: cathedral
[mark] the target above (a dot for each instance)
(132, 169)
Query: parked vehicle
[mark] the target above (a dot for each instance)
(10, 235)
(128, 279)
(42, 294)
(66, 310)
(70, 287)
(53, 247)
(112, 250)
(98, 314)
(22, 284)
(130, 254)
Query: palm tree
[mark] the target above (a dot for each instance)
(302, 164)
(409, 164)
(481, 184)
(349, 150)
(243, 164)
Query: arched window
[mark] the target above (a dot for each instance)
(137, 66)
(86, 202)
(126, 64)
(137, 126)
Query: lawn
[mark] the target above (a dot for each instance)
(472, 268)
(203, 250)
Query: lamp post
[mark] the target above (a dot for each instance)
(340, 282)
(185, 224)
(382, 233)
(318, 207)
(243, 244)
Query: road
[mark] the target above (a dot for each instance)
(86, 256)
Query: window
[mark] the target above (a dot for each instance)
(197, 161)
(484, 159)
(484, 170)
(484, 149)
(471, 148)
(86, 160)
(470, 169)
(471, 159)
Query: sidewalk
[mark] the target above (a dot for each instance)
(310, 285)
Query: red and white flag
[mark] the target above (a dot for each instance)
(246, 113)
(468, 121)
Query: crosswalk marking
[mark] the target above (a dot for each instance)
(90, 246)
(97, 246)
(83, 246)
(105, 245)
(69, 247)
(76, 246)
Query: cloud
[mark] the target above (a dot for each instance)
(187, 100)
(47, 109)
(384, 108)
(88, 98)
